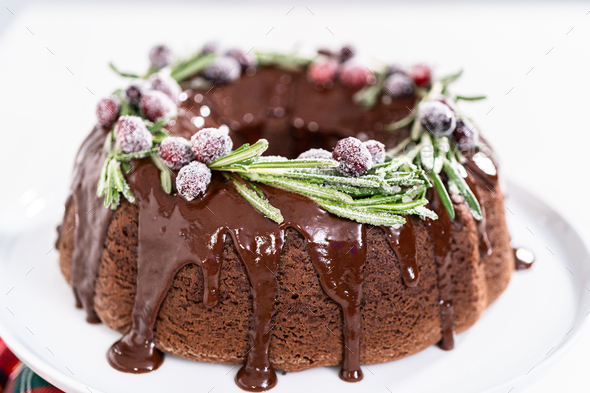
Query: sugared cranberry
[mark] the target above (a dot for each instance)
(210, 47)
(399, 85)
(245, 59)
(354, 75)
(176, 152)
(107, 111)
(156, 105)
(134, 91)
(437, 118)
(353, 156)
(465, 135)
(445, 100)
(421, 74)
(377, 150)
(315, 154)
(160, 56)
(323, 71)
(395, 69)
(346, 53)
(132, 135)
(223, 69)
(192, 180)
(211, 144)
(166, 84)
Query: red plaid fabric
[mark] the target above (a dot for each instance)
(15, 377)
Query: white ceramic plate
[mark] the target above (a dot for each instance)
(528, 329)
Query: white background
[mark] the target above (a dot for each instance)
(531, 59)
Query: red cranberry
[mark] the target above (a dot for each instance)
(223, 69)
(132, 135)
(211, 144)
(160, 56)
(377, 150)
(355, 76)
(421, 74)
(134, 91)
(315, 154)
(192, 180)
(465, 135)
(156, 105)
(107, 111)
(176, 152)
(353, 156)
(323, 71)
(399, 85)
(437, 118)
(245, 59)
(166, 84)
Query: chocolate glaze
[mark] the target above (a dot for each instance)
(485, 247)
(523, 258)
(92, 220)
(440, 233)
(173, 232)
(403, 243)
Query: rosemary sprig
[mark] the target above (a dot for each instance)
(289, 62)
(192, 66)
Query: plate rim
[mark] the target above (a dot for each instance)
(65, 382)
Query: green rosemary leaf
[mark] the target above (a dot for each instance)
(399, 206)
(455, 177)
(367, 96)
(380, 200)
(159, 136)
(406, 121)
(192, 67)
(157, 126)
(112, 193)
(416, 130)
(165, 177)
(319, 163)
(126, 167)
(242, 155)
(423, 212)
(427, 152)
(290, 62)
(304, 188)
(258, 190)
(357, 192)
(103, 179)
(469, 98)
(443, 194)
(448, 79)
(121, 73)
(362, 215)
(120, 182)
(139, 154)
(108, 143)
(262, 205)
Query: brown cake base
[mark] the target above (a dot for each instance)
(397, 320)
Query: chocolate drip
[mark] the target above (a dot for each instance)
(485, 247)
(523, 258)
(92, 220)
(440, 233)
(403, 243)
(337, 248)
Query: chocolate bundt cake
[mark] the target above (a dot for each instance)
(304, 257)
